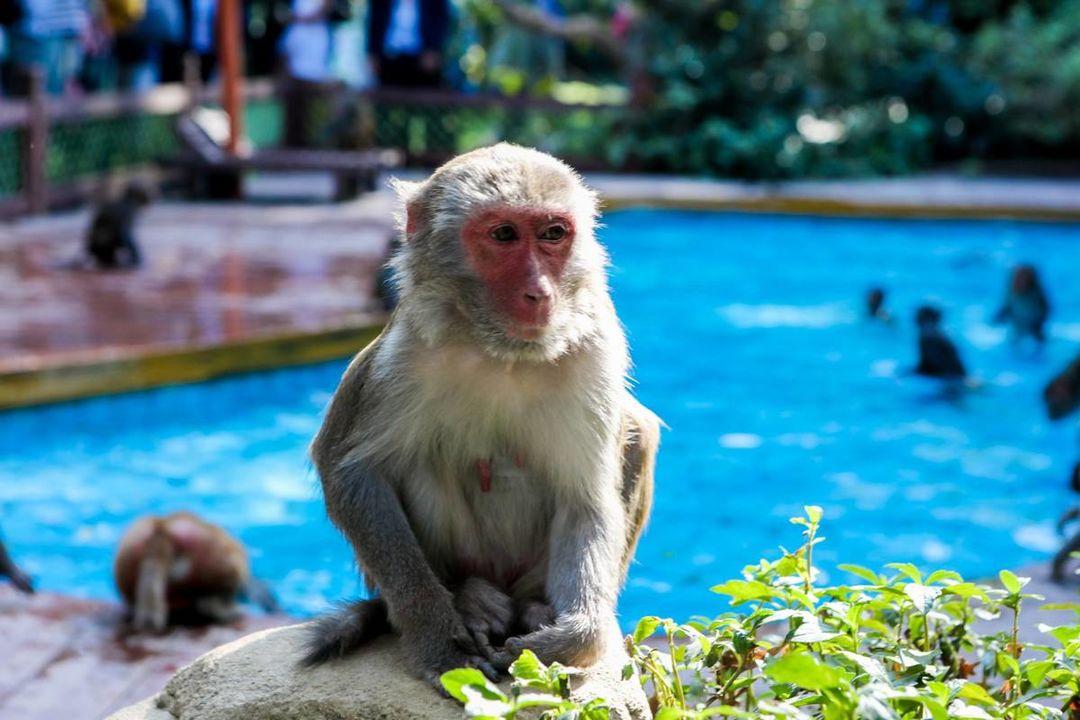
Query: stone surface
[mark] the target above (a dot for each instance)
(258, 677)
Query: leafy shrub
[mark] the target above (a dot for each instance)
(890, 646)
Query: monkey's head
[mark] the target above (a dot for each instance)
(499, 244)
(1062, 394)
(1025, 279)
(927, 317)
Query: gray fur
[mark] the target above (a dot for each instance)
(443, 387)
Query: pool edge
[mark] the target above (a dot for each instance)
(142, 370)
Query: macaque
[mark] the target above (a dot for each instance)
(1057, 565)
(938, 357)
(1062, 394)
(180, 568)
(1026, 307)
(875, 305)
(11, 571)
(484, 455)
(110, 242)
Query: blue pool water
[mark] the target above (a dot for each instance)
(748, 340)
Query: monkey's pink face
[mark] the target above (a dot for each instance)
(520, 254)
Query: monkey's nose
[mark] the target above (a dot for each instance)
(537, 296)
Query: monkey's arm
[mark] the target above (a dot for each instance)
(367, 510)
(8, 567)
(583, 576)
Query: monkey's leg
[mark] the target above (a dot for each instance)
(8, 567)
(486, 611)
(640, 443)
(1057, 568)
(151, 611)
(367, 510)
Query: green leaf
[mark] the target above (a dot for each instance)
(479, 703)
(865, 573)
(802, 670)
(813, 512)
(976, 693)
(455, 682)
(646, 627)
(810, 631)
(741, 591)
(527, 667)
(907, 570)
(1011, 582)
(922, 596)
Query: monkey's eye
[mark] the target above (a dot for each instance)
(504, 234)
(554, 233)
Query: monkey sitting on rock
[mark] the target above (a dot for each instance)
(1057, 571)
(110, 241)
(483, 455)
(181, 569)
(1025, 308)
(11, 571)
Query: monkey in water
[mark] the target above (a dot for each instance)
(180, 568)
(1062, 394)
(11, 571)
(875, 305)
(1026, 307)
(938, 356)
(484, 455)
(110, 241)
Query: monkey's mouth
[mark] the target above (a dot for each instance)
(528, 333)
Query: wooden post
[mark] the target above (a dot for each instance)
(230, 42)
(35, 145)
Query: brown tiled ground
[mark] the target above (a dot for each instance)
(212, 273)
(62, 658)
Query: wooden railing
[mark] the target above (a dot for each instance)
(34, 117)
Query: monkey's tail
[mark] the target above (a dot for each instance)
(337, 634)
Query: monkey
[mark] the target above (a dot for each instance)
(1057, 565)
(938, 356)
(875, 305)
(1062, 394)
(179, 568)
(11, 571)
(484, 455)
(1025, 307)
(110, 241)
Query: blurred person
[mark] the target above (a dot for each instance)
(198, 39)
(306, 50)
(406, 40)
(49, 36)
(1025, 308)
(938, 356)
(11, 571)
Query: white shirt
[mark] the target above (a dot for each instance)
(403, 33)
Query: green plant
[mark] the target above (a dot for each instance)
(890, 645)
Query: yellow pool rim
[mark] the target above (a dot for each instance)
(154, 368)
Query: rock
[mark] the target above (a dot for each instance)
(257, 677)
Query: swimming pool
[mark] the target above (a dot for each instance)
(748, 340)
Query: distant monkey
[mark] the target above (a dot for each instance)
(11, 571)
(1057, 566)
(875, 305)
(1026, 307)
(484, 455)
(938, 356)
(181, 568)
(1062, 394)
(110, 241)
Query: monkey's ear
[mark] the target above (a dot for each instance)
(407, 193)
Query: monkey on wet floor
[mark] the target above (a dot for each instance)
(1025, 308)
(11, 571)
(938, 356)
(110, 241)
(484, 455)
(180, 569)
(1062, 394)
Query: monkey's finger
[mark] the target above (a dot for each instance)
(483, 644)
(464, 640)
(434, 679)
(485, 667)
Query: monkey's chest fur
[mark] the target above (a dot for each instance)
(496, 449)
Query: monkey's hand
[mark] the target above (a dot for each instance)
(436, 640)
(575, 639)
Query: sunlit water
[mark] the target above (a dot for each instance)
(748, 340)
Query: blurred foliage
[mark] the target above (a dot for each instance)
(788, 88)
